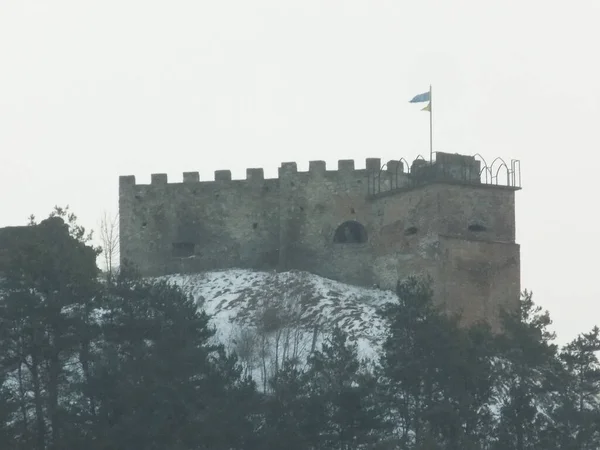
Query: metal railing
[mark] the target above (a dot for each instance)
(399, 175)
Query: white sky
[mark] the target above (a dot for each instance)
(90, 90)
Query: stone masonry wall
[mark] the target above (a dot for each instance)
(478, 278)
(195, 226)
(460, 233)
(313, 205)
(426, 231)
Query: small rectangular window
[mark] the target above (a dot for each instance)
(476, 227)
(183, 249)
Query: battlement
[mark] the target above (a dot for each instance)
(345, 223)
(159, 179)
(317, 168)
(447, 168)
(382, 179)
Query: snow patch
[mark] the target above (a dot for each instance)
(238, 300)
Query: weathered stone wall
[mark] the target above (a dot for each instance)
(404, 237)
(313, 205)
(425, 230)
(478, 278)
(438, 220)
(464, 206)
(449, 208)
(229, 223)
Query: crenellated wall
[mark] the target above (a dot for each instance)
(234, 223)
(199, 225)
(438, 218)
(313, 205)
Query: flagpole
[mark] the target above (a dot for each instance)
(430, 126)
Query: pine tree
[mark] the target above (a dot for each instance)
(577, 415)
(289, 420)
(436, 376)
(460, 413)
(48, 275)
(341, 392)
(162, 380)
(128, 364)
(404, 360)
(527, 367)
(8, 408)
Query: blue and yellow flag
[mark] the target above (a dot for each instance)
(425, 97)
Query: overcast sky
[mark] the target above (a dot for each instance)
(90, 90)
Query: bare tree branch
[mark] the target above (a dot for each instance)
(109, 236)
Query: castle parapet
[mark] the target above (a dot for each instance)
(317, 167)
(126, 181)
(222, 175)
(345, 167)
(395, 166)
(373, 164)
(159, 178)
(255, 174)
(446, 167)
(458, 167)
(191, 177)
(287, 168)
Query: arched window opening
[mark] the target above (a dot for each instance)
(350, 232)
(476, 227)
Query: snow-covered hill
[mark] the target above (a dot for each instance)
(269, 316)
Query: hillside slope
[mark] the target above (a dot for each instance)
(268, 317)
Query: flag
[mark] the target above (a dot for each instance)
(425, 97)
(427, 108)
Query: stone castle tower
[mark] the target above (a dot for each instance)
(453, 218)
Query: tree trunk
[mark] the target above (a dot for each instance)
(264, 362)
(38, 402)
(53, 412)
(23, 404)
(314, 339)
(84, 358)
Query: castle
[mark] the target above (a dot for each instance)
(452, 218)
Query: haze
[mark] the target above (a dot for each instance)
(90, 90)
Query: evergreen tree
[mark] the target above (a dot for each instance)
(132, 363)
(437, 376)
(128, 364)
(404, 360)
(8, 433)
(341, 392)
(48, 276)
(331, 405)
(460, 415)
(527, 364)
(163, 381)
(576, 416)
(289, 421)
